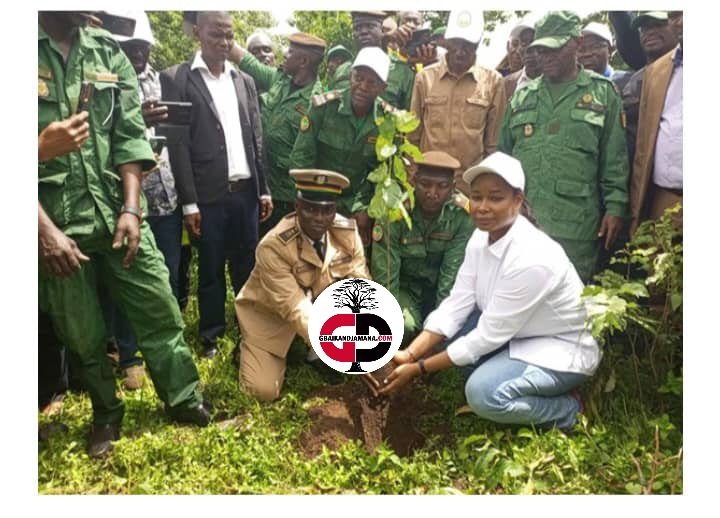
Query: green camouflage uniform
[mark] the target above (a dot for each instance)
(283, 110)
(418, 266)
(333, 138)
(82, 194)
(574, 155)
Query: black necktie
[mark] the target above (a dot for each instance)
(319, 247)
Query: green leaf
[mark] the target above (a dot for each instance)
(633, 488)
(676, 300)
(406, 216)
(387, 151)
(411, 150)
(379, 174)
(407, 121)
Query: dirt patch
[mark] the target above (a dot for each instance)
(351, 413)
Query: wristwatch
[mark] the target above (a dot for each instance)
(135, 212)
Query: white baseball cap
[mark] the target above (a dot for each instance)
(505, 166)
(142, 27)
(375, 59)
(600, 30)
(465, 24)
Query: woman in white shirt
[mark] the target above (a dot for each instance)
(531, 333)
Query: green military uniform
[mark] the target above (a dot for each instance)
(283, 110)
(418, 265)
(332, 138)
(573, 151)
(82, 194)
(398, 92)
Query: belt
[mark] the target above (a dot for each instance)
(240, 185)
(676, 192)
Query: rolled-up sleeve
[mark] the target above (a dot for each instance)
(516, 296)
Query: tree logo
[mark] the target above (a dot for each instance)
(347, 330)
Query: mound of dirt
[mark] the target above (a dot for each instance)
(352, 413)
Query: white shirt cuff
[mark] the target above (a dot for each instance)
(459, 352)
(190, 208)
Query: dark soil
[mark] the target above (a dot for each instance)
(352, 413)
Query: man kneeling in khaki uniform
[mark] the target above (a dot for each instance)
(306, 252)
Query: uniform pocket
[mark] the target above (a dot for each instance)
(572, 201)
(104, 100)
(436, 108)
(475, 113)
(585, 130)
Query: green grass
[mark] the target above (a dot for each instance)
(629, 445)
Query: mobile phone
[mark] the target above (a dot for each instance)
(178, 112)
(419, 38)
(157, 143)
(119, 25)
(86, 92)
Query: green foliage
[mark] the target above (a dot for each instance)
(392, 187)
(172, 46)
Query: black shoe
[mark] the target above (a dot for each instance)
(101, 437)
(210, 349)
(199, 415)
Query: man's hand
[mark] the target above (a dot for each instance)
(426, 53)
(400, 377)
(59, 254)
(610, 228)
(401, 35)
(63, 137)
(152, 113)
(127, 230)
(364, 224)
(192, 223)
(402, 357)
(266, 208)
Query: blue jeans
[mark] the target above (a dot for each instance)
(510, 391)
(229, 231)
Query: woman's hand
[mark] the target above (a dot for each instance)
(402, 357)
(400, 377)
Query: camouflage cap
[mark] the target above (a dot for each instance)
(649, 16)
(556, 28)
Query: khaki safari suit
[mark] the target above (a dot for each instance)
(273, 306)
(460, 116)
(82, 194)
(645, 199)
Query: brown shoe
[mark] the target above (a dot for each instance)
(101, 437)
(134, 377)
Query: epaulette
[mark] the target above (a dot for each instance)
(386, 106)
(102, 34)
(325, 97)
(461, 201)
(343, 222)
(289, 234)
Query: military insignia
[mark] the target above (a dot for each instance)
(623, 120)
(103, 77)
(464, 19)
(45, 73)
(304, 123)
(320, 99)
(289, 234)
(461, 201)
(377, 233)
(441, 236)
(587, 98)
(300, 109)
(528, 130)
(43, 90)
(321, 179)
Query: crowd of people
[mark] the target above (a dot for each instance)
(532, 174)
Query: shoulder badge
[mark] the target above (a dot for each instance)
(343, 222)
(304, 123)
(587, 98)
(461, 201)
(103, 77)
(289, 234)
(528, 130)
(43, 90)
(45, 73)
(623, 120)
(377, 232)
(325, 97)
